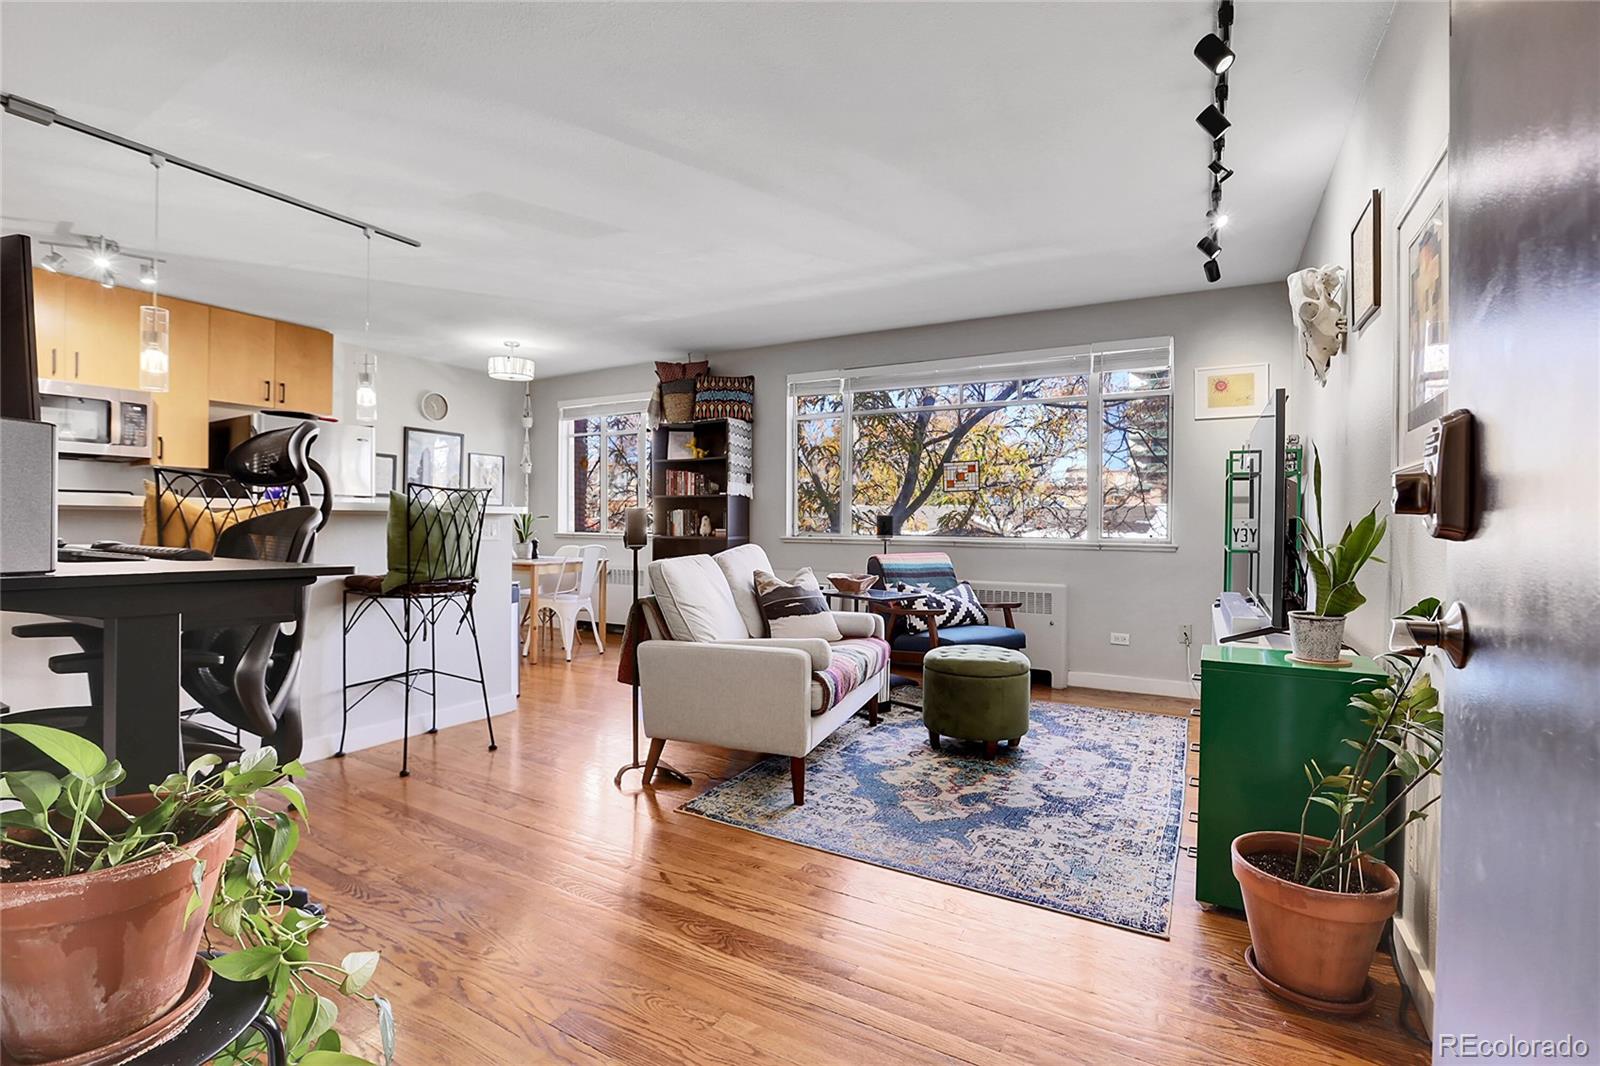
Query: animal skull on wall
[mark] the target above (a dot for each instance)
(1316, 297)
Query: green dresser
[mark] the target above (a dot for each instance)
(1262, 716)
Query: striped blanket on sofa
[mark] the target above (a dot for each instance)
(854, 660)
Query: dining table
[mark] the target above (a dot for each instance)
(546, 564)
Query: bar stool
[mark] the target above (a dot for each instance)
(441, 530)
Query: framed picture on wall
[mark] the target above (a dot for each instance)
(384, 467)
(1366, 263)
(1422, 249)
(487, 471)
(433, 457)
(1231, 391)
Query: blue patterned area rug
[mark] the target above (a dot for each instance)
(1083, 818)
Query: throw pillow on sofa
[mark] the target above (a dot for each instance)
(957, 607)
(797, 608)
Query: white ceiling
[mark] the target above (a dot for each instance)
(608, 182)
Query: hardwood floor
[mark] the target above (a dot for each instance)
(528, 911)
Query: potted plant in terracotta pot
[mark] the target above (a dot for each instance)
(1317, 906)
(1318, 635)
(105, 900)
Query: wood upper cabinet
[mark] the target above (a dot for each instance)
(102, 334)
(304, 362)
(241, 359)
(183, 423)
(50, 323)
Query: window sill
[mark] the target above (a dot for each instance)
(911, 543)
(588, 536)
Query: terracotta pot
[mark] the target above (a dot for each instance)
(90, 958)
(1316, 638)
(1317, 943)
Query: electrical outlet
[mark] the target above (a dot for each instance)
(1186, 635)
(1120, 639)
(491, 529)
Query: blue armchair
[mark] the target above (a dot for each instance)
(935, 571)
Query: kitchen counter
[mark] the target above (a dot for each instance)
(93, 501)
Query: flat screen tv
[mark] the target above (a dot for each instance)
(19, 377)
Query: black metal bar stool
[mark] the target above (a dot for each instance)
(442, 529)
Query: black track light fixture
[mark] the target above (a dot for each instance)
(1208, 245)
(1213, 121)
(1220, 172)
(1213, 271)
(1214, 53)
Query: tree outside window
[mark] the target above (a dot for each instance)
(608, 462)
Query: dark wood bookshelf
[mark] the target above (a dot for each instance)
(727, 511)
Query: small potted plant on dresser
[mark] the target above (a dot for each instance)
(1317, 906)
(526, 527)
(1317, 636)
(104, 900)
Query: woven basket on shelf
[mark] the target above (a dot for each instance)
(677, 400)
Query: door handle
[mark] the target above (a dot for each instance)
(52, 362)
(1448, 633)
(282, 398)
(76, 373)
(266, 391)
(161, 447)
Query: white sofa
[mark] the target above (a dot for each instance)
(718, 681)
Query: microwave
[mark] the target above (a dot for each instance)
(98, 423)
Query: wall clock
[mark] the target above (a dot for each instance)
(434, 406)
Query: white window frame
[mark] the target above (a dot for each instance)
(598, 407)
(1089, 359)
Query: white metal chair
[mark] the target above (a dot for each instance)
(573, 598)
(550, 581)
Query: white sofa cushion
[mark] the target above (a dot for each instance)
(695, 600)
(739, 566)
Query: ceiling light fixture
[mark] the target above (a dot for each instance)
(1213, 121)
(54, 261)
(1209, 246)
(367, 375)
(511, 366)
(147, 275)
(108, 279)
(1214, 52)
(1221, 172)
(1213, 271)
(155, 368)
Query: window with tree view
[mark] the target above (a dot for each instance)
(1071, 444)
(605, 466)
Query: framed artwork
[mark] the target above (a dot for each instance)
(433, 457)
(384, 465)
(1232, 391)
(1422, 248)
(487, 471)
(1366, 263)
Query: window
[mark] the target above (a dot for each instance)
(605, 463)
(1065, 444)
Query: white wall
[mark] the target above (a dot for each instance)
(1147, 594)
(1398, 132)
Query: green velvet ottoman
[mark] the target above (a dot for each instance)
(975, 692)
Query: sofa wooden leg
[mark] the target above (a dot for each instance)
(1014, 743)
(933, 739)
(872, 711)
(797, 778)
(991, 748)
(650, 761)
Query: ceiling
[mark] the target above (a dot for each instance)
(610, 182)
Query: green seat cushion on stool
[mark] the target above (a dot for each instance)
(976, 660)
(438, 543)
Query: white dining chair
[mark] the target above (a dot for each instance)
(551, 579)
(574, 598)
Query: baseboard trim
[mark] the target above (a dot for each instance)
(1414, 970)
(1145, 686)
(388, 729)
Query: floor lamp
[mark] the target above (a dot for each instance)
(634, 537)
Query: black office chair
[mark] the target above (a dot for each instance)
(242, 674)
(444, 529)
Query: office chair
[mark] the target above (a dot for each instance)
(242, 674)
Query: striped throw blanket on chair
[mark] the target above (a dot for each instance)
(853, 661)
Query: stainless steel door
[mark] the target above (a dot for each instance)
(1519, 893)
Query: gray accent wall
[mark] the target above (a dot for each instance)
(1148, 594)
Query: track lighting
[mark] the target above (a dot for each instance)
(1221, 172)
(1213, 271)
(54, 261)
(147, 275)
(1217, 218)
(102, 262)
(1213, 121)
(108, 279)
(1214, 52)
(1208, 245)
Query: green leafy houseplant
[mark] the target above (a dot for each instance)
(1334, 566)
(75, 826)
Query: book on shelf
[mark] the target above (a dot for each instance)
(689, 483)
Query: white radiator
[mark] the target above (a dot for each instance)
(1042, 616)
(619, 590)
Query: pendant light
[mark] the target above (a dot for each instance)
(367, 374)
(511, 366)
(154, 365)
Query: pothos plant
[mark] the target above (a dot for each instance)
(1405, 725)
(257, 931)
(1334, 566)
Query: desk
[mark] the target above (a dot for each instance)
(143, 606)
(555, 562)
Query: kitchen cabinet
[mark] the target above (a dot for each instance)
(303, 359)
(86, 333)
(183, 423)
(241, 359)
(50, 322)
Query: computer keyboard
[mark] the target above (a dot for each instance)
(150, 551)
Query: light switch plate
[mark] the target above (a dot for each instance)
(1120, 640)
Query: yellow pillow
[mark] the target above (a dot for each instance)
(190, 523)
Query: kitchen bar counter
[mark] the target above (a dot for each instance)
(102, 501)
